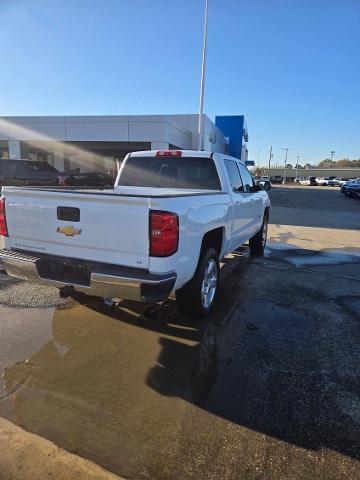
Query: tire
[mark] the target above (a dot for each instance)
(191, 299)
(257, 242)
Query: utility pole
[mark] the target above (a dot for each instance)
(270, 157)
(202, 83)
(297, 165)
(286, 155)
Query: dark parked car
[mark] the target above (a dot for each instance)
(91, 179)
(27, 172)
(356, 192)
(37, 173)
(351, 189)
(265, 183)
(276, 179)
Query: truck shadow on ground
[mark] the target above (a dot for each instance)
(255, 363)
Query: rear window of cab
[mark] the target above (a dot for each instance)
(170, 172)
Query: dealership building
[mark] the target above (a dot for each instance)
(99, 143)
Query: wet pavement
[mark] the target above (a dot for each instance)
(268, 388)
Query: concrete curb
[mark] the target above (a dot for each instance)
(27, 456)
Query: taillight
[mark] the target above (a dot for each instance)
(169, 153)
(164, 233)
(3, 226)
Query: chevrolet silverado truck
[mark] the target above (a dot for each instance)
(160, 232)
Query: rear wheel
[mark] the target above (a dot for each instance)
(257, 242)
(198, 297)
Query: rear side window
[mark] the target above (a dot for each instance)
(233, 175)
(170, 172)
(247, 179)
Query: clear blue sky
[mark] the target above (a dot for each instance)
(292, 66)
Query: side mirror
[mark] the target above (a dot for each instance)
(257, 188)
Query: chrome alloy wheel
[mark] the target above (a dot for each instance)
(209, 284)
(264, 232)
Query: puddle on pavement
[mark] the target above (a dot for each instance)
(109, 378)
(22, 332)
(142, 395)
(299, 257)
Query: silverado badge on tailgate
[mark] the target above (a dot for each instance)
(69, 231)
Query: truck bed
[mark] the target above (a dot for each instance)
(109, 225)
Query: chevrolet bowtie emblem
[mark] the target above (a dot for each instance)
(69, 231)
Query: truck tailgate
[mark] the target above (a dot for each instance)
(101, 227)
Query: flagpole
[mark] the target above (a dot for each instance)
(202, 83)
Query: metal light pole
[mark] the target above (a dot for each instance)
(297, 165)
(202, 83)
(286, 155)
(270, 157)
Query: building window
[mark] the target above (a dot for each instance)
(4, 149)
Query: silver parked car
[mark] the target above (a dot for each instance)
(337, 181)
(324, 180)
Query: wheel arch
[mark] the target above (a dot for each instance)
(213, 239)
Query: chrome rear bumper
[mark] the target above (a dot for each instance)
(110, 281)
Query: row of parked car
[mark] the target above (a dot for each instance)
(348, 186)
(266, 181)
(324, 181)
(36, 173)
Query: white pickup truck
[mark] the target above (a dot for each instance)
(159, 232)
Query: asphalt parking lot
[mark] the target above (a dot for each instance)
(268, 388)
